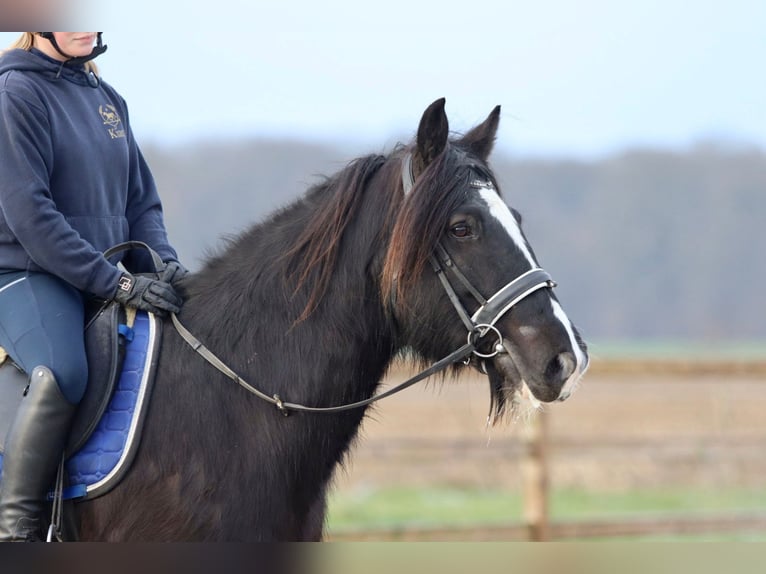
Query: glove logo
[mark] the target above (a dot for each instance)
(126, 283)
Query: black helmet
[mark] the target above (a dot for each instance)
(98, 49)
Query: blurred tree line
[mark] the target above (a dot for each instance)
(644, 244)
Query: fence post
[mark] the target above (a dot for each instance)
(534, 471)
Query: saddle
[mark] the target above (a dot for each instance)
(122, 356)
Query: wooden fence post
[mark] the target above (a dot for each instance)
(534, 471)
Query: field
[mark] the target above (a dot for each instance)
(640, 440)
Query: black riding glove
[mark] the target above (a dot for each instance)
(173, 272)
(150, 295)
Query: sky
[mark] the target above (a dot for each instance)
(583, 78)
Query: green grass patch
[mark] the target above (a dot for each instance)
(392, 507)
(672, 349)
(574, 504)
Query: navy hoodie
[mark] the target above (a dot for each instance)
(73, 181)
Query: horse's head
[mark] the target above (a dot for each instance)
(459, 262)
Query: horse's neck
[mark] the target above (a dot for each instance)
(338, 353)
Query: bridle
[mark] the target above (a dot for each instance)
(478, 325)
(492, 309)
(482, 322)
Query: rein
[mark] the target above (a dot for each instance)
(478, 325)
(285, 407)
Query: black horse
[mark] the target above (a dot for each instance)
(312, 306)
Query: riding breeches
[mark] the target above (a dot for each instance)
(41, 324)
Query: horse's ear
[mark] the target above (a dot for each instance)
(432, 133)
(480, 140)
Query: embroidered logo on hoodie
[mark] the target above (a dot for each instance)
(112, 121)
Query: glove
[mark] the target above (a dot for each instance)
(173, 272)
(147, 294)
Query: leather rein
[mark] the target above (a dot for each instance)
(481, 323)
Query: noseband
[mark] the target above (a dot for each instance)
(490, 310)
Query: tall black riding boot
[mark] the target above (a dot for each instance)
(32, 454)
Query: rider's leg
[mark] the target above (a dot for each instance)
(41, 326)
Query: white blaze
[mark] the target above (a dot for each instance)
(502, 213)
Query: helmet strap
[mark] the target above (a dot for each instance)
(99, 49)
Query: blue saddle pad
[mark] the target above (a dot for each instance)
(106, 456)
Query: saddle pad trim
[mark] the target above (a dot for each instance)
(131, 444)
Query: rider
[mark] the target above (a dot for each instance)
(73, 183)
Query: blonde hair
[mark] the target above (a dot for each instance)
(27, 40)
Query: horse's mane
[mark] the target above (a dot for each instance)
(312, 256)
(323, 215)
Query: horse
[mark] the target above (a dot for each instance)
(312, 306)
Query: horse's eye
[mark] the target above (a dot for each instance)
(461, 230)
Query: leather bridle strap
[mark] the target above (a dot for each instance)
(502, 301)
(128, 245)
(213, 360)
(285, 407)
(498, 304)
(453, 296)
(446, 260)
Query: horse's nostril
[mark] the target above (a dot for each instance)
(561, 367)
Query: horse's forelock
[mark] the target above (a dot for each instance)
(439, 190)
